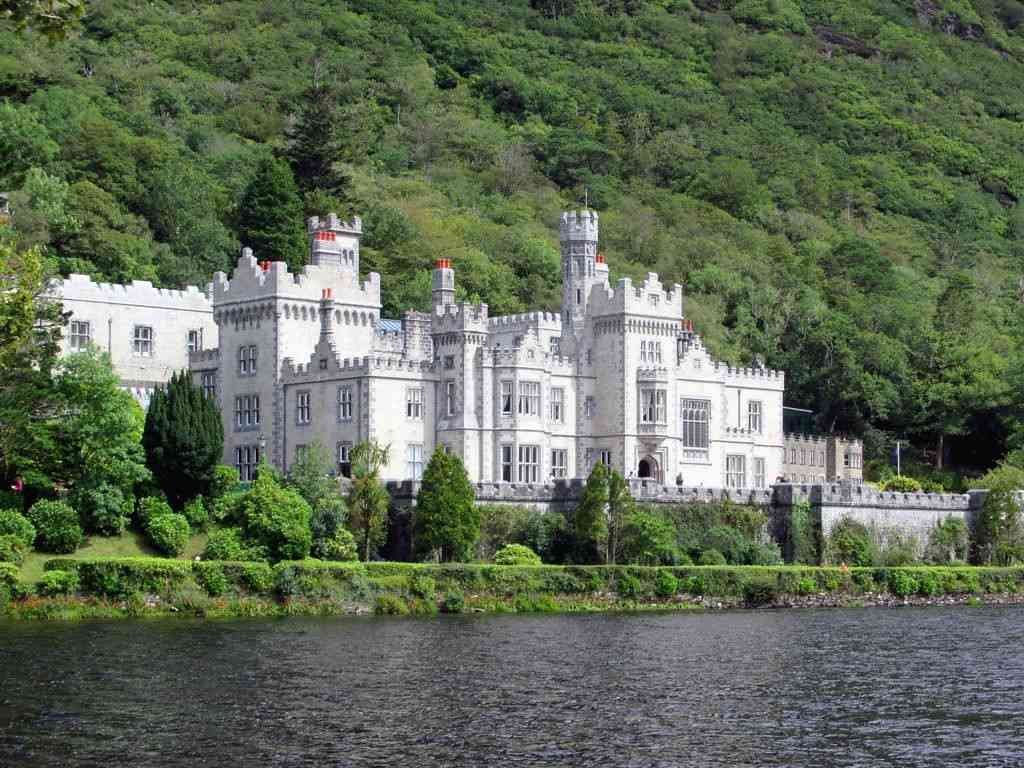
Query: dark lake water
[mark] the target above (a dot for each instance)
(907, 687)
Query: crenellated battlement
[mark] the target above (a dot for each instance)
(505, 322)
(332, 223)
(529, 357)
(204, 358)
(578, 225)
(448, 318)
(260, 280)
(136, 293)
(649, 298)
(762, 376)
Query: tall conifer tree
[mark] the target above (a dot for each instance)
(447, 519)
(183, 439)
(270, 215)
(314, 146)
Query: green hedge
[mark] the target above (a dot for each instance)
(425, 587)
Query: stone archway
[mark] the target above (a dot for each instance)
(648, 468)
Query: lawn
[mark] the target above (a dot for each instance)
(128, 544)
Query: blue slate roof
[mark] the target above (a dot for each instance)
(388, 326)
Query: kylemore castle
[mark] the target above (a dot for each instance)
(618, 376)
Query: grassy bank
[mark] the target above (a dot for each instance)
(107, 587)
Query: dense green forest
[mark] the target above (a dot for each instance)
(836, 184)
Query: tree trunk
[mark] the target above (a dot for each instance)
(939, 451)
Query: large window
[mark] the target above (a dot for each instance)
(247, 360)
(506, 463)
(449, 398)
(142, 340)
(695, 415)
(529, 463)
(559, 462)
(529, 398)
(303, 408)
(195, 340)
(557, 405)
(80, 335)
(735, 471)
(754, 416)
(506, 397)
(414, 460)
(414, 403)
(345, 402)
(345, 459)
(247, 458)
(247, 411)
(759, 478)
(653, 406)
(208, 383)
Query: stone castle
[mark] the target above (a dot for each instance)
(618, 376)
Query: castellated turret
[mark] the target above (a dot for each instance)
(334, 243)
(578, 234)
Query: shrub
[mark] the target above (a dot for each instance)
(516, 554)
(727, 540)
(805, 586)
(804, 532)
(228, 544)
(117, 577)
(340, 547)
(928, 584)
(711, 557)
(212, 579)
(850, 543)
(454, 602)
(150, 507)
(999, 528)
(13, 523)
(168, 533)
(54, 583)
(948, 542)
(196, 513)
(900, 484)
(649, 538)
(760, 593)
(276, 518)
(902, 583)
(12, 549)
(390, 605)
(665, 584)
(762, 554)
(104, 508)
(628, 585)
(224, 480)
(226, 508)
(422, 586)
(57, 527)
(900, 549)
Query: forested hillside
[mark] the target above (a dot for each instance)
(836, 184)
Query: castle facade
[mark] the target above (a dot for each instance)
(618, 376)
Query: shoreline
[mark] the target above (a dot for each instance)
(73, 589)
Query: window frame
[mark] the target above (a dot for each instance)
(77, 340)
(559, 463)
(414, 463)
(506, 456)
(528, 464)
(528, 401)
(346, 407)
(507, 395)
(343, 458)
(557, 405)
(142, 343)
(414, 403)
(735, 477)
(303, 407)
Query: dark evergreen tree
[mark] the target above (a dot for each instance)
(314, 146)
(183, 439)
(270, 215)
(590, 520)
(446, 518)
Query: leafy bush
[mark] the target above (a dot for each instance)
(711, 557)
(948, 542)
(999, 528)
(454, 602)
(54, 583)
(850, 543)
(196, 513)
(928, 584)
(729, 541)
(12, 549)
(649, 538)
(758, 593)
(391, 605)
(224, 481)
(57, 526)
(226, 508)
(13, 523)
(118, 577)
(212, 579)
(516, 554)
(759, 553)
(340, 546)
(422, 586)
(105, 508)
(665, 584)
(900, 484)
(804, 531)
(276, 519)
(899, 549)
(168, 532)
(229, 544)
(150, 507)
(628, 585)
(902, 583)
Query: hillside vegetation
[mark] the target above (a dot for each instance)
(836, 184)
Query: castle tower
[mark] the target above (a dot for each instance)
(443, 286)
(577, 232)
(335, 243)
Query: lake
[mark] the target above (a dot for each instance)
(904, 687)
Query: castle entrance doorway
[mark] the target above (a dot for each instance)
(648, 468)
